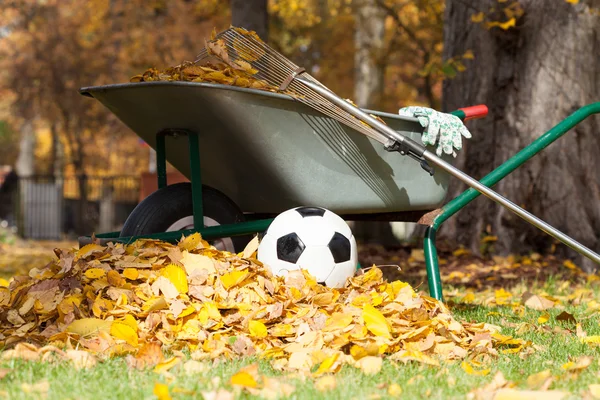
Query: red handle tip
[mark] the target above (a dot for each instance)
(473, 112)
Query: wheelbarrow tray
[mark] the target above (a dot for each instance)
(269, 153)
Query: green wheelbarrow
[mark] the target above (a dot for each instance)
(251, 154)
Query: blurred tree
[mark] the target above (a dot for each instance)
(369, 41)
(8, 144)
(252, 15)
(49, 49)
(535, 63)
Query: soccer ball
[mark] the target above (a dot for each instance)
(313, 239)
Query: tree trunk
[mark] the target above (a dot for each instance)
(25, 166)
(369, 43)
(531, 77)
(252, 15)
(368, 90)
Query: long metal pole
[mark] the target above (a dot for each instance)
(420, 151)
(527, 216)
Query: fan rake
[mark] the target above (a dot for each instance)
(244, 50)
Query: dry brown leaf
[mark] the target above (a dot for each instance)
(566, 317)
(81, 359)
(148, 356)
(535, 302)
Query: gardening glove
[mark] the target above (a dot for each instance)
(449, 128)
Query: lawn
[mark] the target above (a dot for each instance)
(553, 312)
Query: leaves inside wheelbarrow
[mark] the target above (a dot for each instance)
(238, 73)
(120, 299)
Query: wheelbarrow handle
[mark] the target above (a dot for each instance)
(472, 112)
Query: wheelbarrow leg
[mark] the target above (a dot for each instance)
(195, 172)
(431, 263)
(196, 176)
(161, 160)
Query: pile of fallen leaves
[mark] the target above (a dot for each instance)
(129, 299)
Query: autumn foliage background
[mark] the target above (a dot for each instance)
(48, 50)
(384, 54)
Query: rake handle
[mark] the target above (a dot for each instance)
(419, 151)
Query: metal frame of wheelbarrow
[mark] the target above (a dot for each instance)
(437, 217)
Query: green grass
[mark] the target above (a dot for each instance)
(113, 379)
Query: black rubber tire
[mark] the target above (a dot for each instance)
(161, 209)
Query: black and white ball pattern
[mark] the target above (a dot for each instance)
(310, 238)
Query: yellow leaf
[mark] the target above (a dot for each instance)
(508, 24)
(581, 363)
(595, 390)
(194, 262)
(94, 273)
(3, 282)
(300, 361)
(154, 304)
(572, 1)
(325, 383)
(233, 278)
(337, 321)
(280, 330)
(89, 326)
(468, 55)
(468, 298)
(502, 297)
(243, 379)
(477, 17)
(328, 365)
(534, 381)
(375, 322)
(131, 273)
(591, 339)
(87, 251)
(394, 390)
(191, 242)
(125, 332)
(177, 276)
(514, 394)
(161, 391)
(167, 365)
(257, 329)
(542, 319)
(569, 264)
(114, 278)
(252, 246)
(468, 368)
(370, 365)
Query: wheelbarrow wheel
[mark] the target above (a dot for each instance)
(171, 209)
